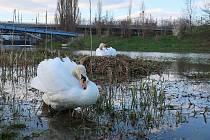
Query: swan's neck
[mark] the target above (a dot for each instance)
(74, 73)
(78, 72)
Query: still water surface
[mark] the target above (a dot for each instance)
(203, 58)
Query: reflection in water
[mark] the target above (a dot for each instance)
(65, 126)
(181, 67)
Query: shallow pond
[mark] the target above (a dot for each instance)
(172, 105)
(203, 58)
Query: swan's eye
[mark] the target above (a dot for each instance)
(83, 78)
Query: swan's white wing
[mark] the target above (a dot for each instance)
(69, 64)
(54, 75)
(105, 52)
(98, 52)
(113, 51)
(108, 52)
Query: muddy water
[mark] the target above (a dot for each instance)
(125, 111)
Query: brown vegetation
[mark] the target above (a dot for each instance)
(120, 66)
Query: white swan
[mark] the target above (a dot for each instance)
(65, 84)
(103, 50)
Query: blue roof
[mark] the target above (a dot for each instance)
(15, 27)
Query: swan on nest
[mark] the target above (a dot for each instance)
(65, 84)
(104, 50)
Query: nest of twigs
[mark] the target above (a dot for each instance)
(120, 66)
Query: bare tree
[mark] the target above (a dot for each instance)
(67, 14)
(180, 27)
(189, 12)
(125, 24)
(142, 9)
(99, 17)
(130, 9)
(99, 9)
(206, 10)
(107, 23)
(142, 18)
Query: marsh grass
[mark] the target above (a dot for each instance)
(139, 106)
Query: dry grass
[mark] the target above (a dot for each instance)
(120, 66)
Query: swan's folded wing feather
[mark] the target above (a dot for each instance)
(113, 51)
(69, 64)
(53, 76)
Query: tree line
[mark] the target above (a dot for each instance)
(68, 16)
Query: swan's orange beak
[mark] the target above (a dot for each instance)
(83, 84)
